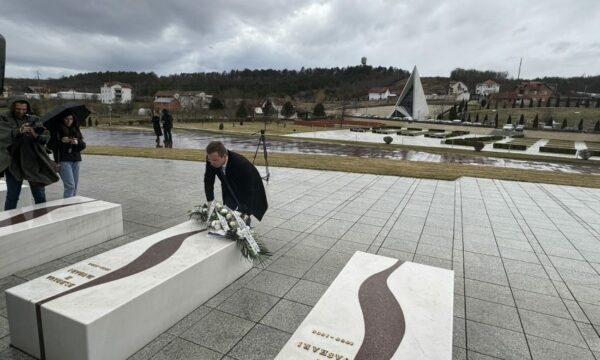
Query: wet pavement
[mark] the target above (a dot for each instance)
(197, 139)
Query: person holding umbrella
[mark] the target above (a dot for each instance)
(67, 143)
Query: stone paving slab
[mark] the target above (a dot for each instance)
(526, 256)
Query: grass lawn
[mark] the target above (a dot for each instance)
(429, 170)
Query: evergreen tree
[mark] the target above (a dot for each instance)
(268, 109)
(242, 110)
(477, 118)
(319, 110)
(597, 127)
(514, 103)
(466, 108)
(216, 104)
(550, 121)
(469, 118)
(485, 118)
(496, 121)
(452, 113)
(522, 104)
(548, 102)
(522, 120)
(557, 103)
(564, 124)
(580, 126)
(536, 122)
(539, 104)
(288, 110)
(509, 120)
(530, 103)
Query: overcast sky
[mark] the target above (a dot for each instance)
(62, 37)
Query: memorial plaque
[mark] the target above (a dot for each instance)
(111, 305)
(379, 308)
(35, 234)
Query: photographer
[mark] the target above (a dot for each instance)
(23, 154)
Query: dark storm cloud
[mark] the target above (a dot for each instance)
(66, 36)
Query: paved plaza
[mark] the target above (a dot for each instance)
(526, 257)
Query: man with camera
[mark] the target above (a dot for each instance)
(23, 154)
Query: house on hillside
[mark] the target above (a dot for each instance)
(166, 99)
(533, 91)
(194, 100)
(115, 92)
(459, 89)
(380, 94)
(487, 87)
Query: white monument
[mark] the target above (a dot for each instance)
(35, 234)
(111, 305)
(379, 308)
(411, 102)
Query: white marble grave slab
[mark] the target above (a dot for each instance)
(35, 234)
(376, 310)
(111, 305)
(25, 198)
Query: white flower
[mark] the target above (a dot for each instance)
(229, 216)
(239, 234)
(215, 224)
(224, 211)
(204, 210)
(232, 224)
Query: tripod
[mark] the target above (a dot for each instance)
(262, 141)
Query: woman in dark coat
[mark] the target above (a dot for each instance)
(156, 126)
(68, 154)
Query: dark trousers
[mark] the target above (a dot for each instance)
(13, 191)
(167, 133)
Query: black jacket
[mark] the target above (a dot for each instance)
(245, 182)
(67, 152)
(167, 121)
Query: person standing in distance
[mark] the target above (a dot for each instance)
(167, 121)
(241, 184)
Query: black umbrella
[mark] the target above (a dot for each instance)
(55, 116)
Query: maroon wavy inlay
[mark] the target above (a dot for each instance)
(153, 256)
(383, 317)
(30, 215)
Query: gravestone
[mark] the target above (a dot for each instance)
(111, 305)
(35, 234)
(379, 308)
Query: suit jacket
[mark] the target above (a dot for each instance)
(247, 191)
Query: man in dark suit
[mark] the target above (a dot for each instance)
(241, 183)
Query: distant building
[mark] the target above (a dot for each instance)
(166, 99)
(191, 100)
(75, 95)
(380, 94)
(533, 91)
(115, 93)
(459, 89)
(487, 87)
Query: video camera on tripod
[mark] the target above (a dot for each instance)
(262, 140)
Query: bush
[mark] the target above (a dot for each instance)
(478, 145)
(221, 126)
(388, 139)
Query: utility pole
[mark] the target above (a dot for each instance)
(519, 74)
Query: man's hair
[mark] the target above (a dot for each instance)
(216, 146)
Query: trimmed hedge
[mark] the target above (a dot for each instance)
(558, 150)
(510, 146)
(472, 140)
